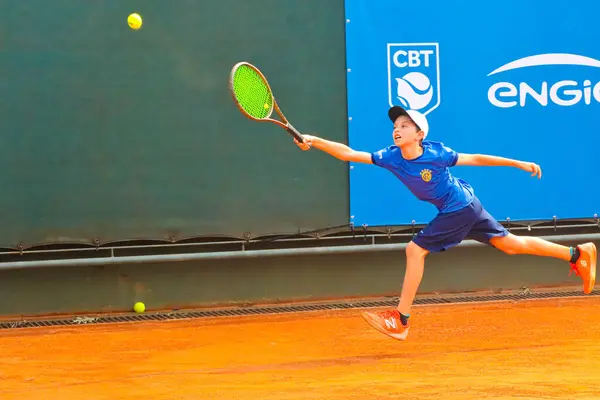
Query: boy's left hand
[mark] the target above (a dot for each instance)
(531, 167)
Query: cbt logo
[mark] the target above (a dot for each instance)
(414, 76)
(547, 81)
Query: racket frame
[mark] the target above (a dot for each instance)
(284, 123)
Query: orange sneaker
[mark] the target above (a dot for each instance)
(387, 322)
(585, 266)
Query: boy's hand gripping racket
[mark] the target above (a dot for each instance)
(252, 94)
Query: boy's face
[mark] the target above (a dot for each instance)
(406, 132)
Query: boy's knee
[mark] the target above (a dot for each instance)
(509, 244)
(413, 250)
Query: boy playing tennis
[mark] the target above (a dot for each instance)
(423, 166)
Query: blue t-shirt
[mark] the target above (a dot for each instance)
(428, 177)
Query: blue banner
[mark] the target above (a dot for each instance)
(513, 79)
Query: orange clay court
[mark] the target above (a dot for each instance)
(534, 349)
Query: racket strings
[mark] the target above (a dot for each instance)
(252, 93)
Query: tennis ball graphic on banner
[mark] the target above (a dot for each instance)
(414, 90)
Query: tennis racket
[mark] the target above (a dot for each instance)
(253, 96)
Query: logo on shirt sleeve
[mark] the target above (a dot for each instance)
(426, 175)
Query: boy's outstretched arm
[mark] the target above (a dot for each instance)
(483, 160)
(335, 149)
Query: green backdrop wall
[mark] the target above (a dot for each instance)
(116, 134)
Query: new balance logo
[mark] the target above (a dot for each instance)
(390, 323)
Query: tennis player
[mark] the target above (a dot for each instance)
(424, 167)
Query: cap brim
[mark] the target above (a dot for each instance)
(395, 112)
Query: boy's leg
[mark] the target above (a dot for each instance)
(582, 258)
(444, 232)
(415, 265)
(512, 244)
(394, 322)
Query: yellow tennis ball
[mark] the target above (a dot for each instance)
(139, 307)
(266, 106)
(135, 21)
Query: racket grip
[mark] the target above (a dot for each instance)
(294, 132)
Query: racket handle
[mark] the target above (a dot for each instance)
(294, 132)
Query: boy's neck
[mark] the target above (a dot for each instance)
(411, 152)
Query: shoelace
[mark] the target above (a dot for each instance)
(391, 313)
(574, 268)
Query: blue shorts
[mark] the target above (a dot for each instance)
(448, 230)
